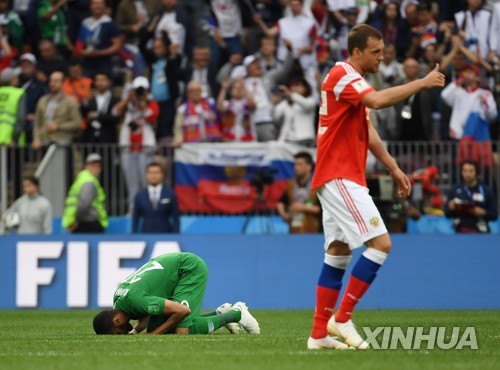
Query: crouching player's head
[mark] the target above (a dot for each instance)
(112, 322)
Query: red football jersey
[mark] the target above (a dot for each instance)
(343, 127)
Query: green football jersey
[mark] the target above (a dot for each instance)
(144, 292)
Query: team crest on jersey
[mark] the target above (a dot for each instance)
(154, 309)
(375, 221)
(360, 85)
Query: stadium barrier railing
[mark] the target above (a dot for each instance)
(17, 162)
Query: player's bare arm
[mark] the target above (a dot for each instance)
(377, 147)
(175, 313)
(140, 325)
(394, 95)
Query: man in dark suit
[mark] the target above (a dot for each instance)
(414, 115)
(101, 127)
(155, 208)
(203, 71)
(102, 121)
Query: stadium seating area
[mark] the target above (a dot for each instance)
(222, 48)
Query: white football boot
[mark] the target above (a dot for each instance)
(247, 321)
(347, 332)
(233, 327)
(327, 342)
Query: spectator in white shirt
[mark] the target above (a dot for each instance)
(175, 24)
(302, 33)
(474, 23)
(226, 30)
(260, 84)
(236, 112)
(466, 97)
(297, 112)
(495, 33)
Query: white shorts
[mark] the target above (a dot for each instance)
(349, 213)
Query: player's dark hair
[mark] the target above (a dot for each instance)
(103, 322)
(358, 37)
(155, 164)
(305, 156)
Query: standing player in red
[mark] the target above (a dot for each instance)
(350, 218)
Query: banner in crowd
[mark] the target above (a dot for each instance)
(232, 177)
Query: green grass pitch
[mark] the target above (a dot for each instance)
(65, 340)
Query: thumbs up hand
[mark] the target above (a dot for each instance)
(434, 78)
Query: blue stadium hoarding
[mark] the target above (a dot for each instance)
(422, 272)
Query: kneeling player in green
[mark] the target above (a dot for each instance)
(165, 296)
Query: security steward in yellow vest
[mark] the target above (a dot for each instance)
(12, 107)
(85, 210)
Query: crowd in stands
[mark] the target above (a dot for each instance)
(139, 73)
(230, 70)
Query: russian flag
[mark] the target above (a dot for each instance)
(216, 178)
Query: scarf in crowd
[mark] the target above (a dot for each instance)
(200, 126)
(236, 116)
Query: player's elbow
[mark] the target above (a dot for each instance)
(374, 101)
(378, 105)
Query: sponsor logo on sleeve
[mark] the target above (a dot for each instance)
(360, 86)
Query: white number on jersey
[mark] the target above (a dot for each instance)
(155, 265)
(323, 109)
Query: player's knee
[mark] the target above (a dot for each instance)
(386, 248)
(382, 243)
(337, 248)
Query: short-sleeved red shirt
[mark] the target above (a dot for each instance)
(343, 127)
